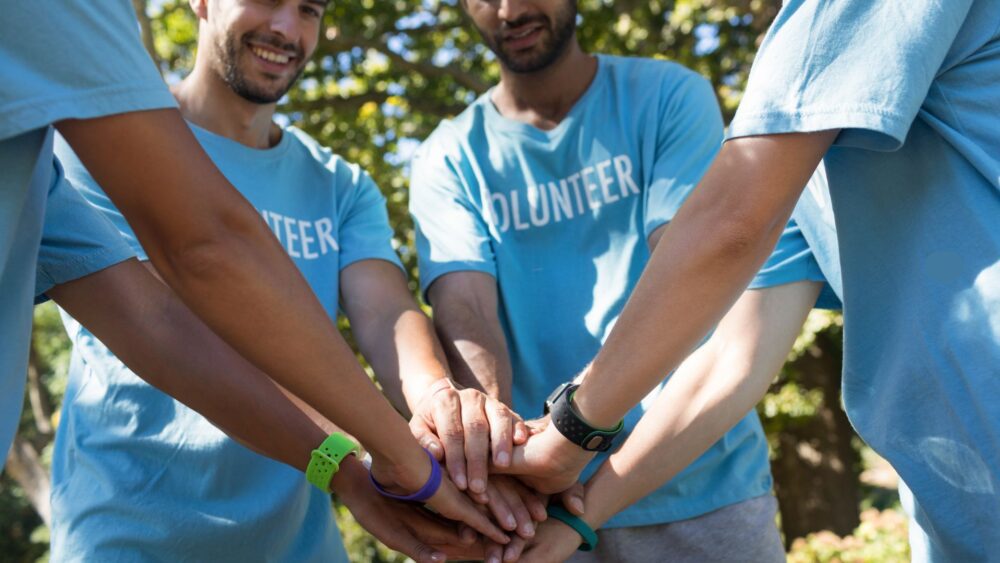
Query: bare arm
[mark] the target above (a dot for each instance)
(709, 253)
(711, 391)
(156, 336)
(398, 339)
(213, 249)
(465, 316)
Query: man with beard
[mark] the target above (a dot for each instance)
(534, 208)
(138, 476)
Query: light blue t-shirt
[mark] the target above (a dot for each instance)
(560, 218)
(58, 60)
(136, 474)
(914, 182)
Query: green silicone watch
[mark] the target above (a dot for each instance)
(325, 460)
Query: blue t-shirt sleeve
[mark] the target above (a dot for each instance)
(76, 239)
(451, 234)
(861, 66)
(689, 135)
(364, 228)
(792, 261)
(88, 188)
(65, 59)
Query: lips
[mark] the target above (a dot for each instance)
(522, 37)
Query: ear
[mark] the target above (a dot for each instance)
(200, 8)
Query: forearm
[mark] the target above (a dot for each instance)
(179, 355)
(711, 392)
(404, 352)
(210, 245)
(476, 349)
(708, 254)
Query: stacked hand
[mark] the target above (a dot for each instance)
(479, 439)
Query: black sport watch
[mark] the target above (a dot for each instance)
(571, 425)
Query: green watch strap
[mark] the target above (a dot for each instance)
(325, 460)
(587, 534)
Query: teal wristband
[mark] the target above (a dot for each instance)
(587, 534)
(325, 460)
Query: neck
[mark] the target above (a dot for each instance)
(543, 98)
(208, 102)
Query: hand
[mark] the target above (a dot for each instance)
(404, 527)
(447, 501)
(547, 462)
(554, 542)
(514, 507)
(463, 426)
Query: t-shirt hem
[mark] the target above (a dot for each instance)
(634, 517)
(36, 113)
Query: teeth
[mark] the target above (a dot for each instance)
(523, 33)
(269, 56)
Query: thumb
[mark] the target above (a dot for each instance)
(572, 499)
(426, 437)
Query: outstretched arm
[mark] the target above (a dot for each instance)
(711, 391)
(707, 256)
(212, 248)
(156, 336)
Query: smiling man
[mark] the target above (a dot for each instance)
(137, 475)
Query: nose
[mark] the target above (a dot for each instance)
(285, 20)
(510, 10)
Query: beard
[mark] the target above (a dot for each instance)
(263, 91)
(560, 31)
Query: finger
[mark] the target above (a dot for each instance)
(448, 420)
(416, 549)
(494, 553)
(425, 436)
(534, 501)
(572, 499)
(500, 508)
(512, 551)
(501, 431)
(456, 506)
(525, 524)
(477, 438)
(466, 535)
(481, 498)
(521, 432)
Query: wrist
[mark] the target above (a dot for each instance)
(405, 471)
(589, 405)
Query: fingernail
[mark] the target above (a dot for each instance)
(577, 504)
(511, 523)
(528, 529)
(494, 559)
(438, 556)
(503, 459)
(460, 482)
(434, 448)
(478, 485)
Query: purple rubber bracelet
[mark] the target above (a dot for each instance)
(425, 493)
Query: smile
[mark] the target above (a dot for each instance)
(271, 56)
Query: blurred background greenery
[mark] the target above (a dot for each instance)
(386, 72)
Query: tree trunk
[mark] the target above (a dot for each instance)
(816, 469)
(25, 467)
